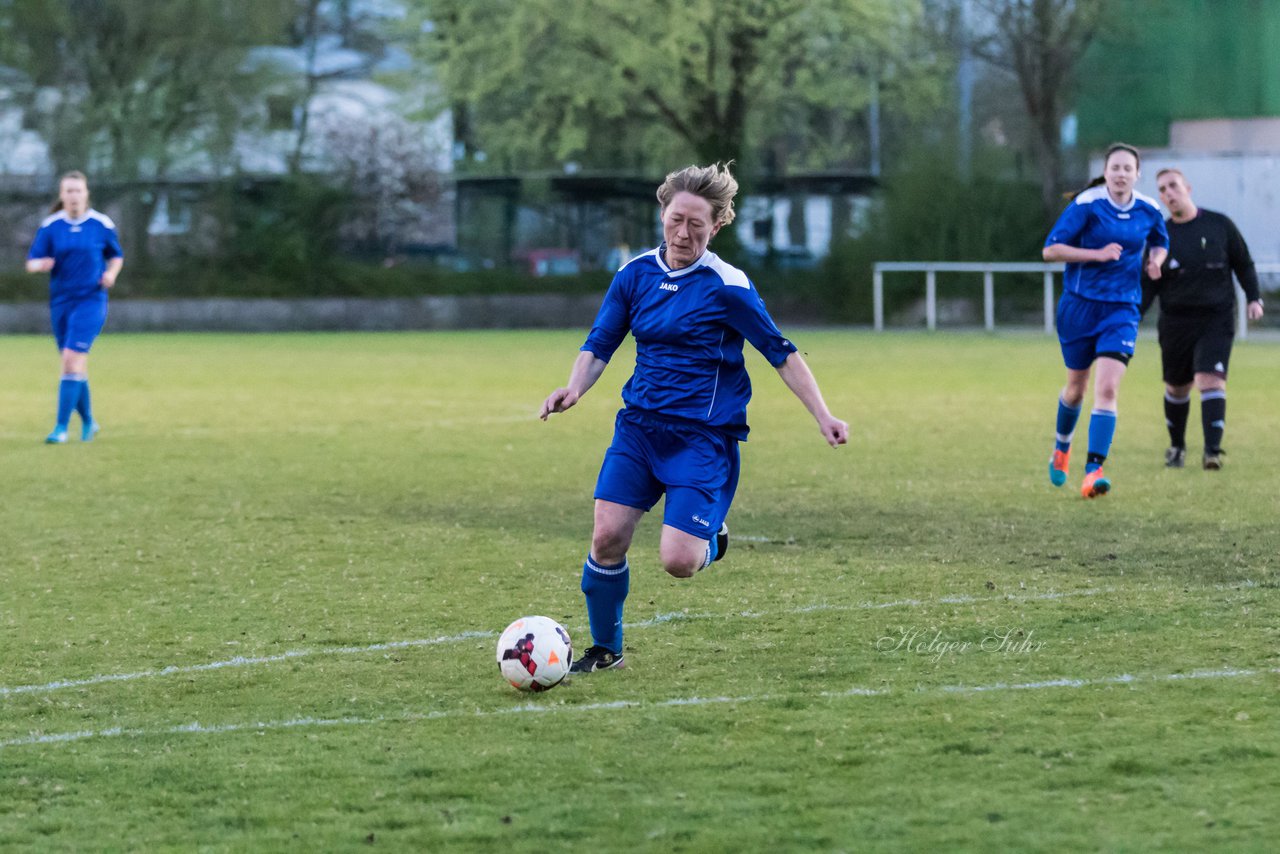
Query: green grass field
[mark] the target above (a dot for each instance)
(259, 612)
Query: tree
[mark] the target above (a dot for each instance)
(310, 19)
(1040, 42)
(388, 169)
(539, 83)
(140, 85)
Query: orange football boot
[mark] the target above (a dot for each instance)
(1058, 466)
(1095, 484)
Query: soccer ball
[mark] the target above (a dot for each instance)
(534, 653)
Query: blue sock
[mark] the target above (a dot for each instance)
(606, 590)
(713, 549)
(69, 391)
(1067, 416)
(84, 406)
(1102, 429)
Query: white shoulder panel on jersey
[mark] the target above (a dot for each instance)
(625, 264)
(1092, 194)
(53, 217)
(728, 273)
(1142, 197)
(100, 217)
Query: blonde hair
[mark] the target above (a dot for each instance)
(73, 175)
(715, 183)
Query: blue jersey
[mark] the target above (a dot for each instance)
(689, 326)
(80, 250)
(1092, 221)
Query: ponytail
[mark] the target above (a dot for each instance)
(1096, 182)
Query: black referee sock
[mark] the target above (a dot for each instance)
(1176, 412)
(1213, 414)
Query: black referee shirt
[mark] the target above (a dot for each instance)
(1196, 277)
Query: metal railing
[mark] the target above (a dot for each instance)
(988, 271)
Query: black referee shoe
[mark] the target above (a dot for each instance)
(1213, 459)
(1175, 457)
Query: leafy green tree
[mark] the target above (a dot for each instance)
(140, 84)
(537, 83)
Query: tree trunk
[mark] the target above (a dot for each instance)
(309, 91)
(1049, 163)
(139, 206)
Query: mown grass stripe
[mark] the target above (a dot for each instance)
(196, 728)
(290, 655)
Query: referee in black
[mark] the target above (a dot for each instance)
(1197, 314)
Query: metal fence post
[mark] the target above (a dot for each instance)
(989, 300)
(931, 300)
(1242, 313)
(877, 299)
(1048, 301)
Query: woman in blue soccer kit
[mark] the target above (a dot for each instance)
(1104, 236)
(686, 403)
(79, 249)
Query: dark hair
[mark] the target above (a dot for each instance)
(1102, 179)
(74, 175)
(1122, 146)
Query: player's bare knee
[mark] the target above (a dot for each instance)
(608, 546)
(680, 569)
(679, 562)
(1105, 395)
(1210, 382)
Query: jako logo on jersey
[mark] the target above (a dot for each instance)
(669, 286)
(703, 522)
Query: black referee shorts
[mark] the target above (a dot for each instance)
(1191, 345)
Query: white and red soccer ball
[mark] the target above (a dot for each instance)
(534, 653)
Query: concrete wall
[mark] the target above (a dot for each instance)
(1260, 135)
(253, 315)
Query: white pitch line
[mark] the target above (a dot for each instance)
(659, 619)
(238, 661)
(201, 432)
(197, 728)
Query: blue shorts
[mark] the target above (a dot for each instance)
(76, 324)
(696, 466)
(1087, 328)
